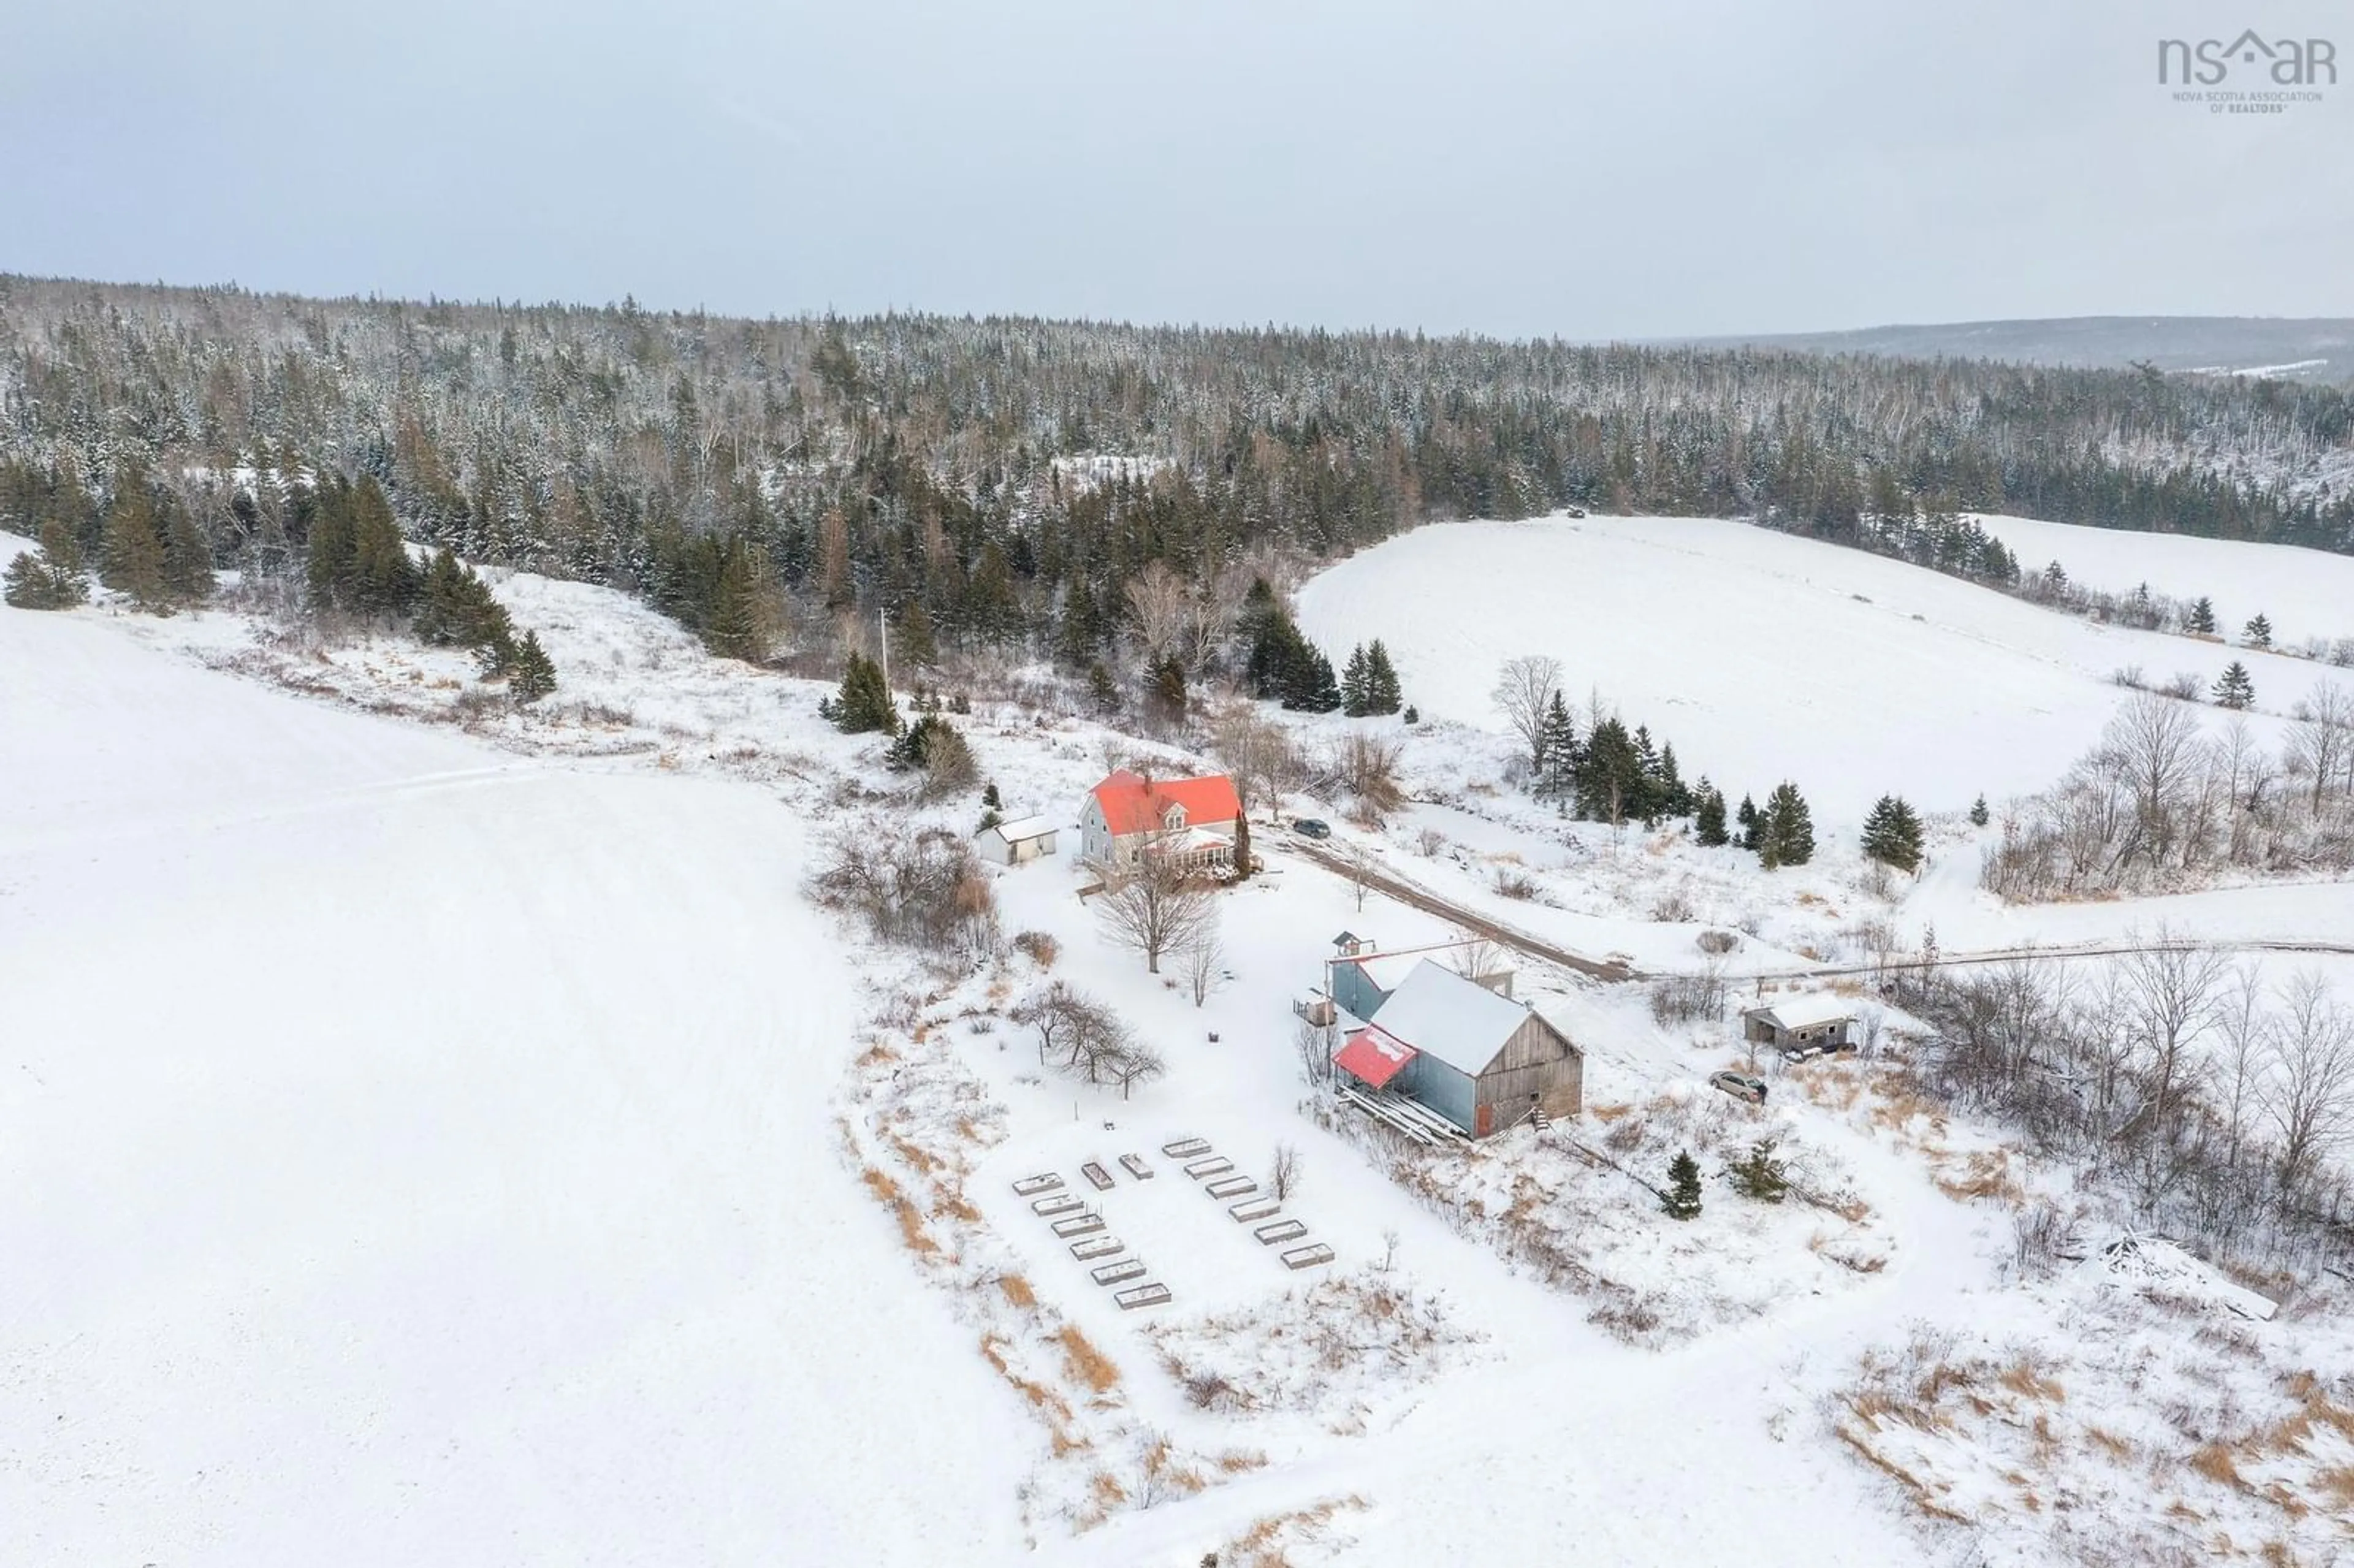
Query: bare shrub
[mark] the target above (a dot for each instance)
(1513, 883)
(1671, 908)
(924, 889)
(1678, 999)
(1717, 942)
(1038, 947)
(1365, 766)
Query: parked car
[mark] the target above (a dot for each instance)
(1311, 827)
(1740, 1086)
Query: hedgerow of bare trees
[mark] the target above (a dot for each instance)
(2159, 804)
(2209, 1098)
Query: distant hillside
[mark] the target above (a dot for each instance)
(1016, 479)
(2315, 349)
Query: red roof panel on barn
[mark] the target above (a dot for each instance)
(1374, 1056)
(1133, 804)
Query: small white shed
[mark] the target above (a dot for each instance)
(1016, 842)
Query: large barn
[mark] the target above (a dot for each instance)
(1481, 1061)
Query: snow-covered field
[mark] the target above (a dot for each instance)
(412, 1153)
(1762, 656)
(463, 1142)
(2304, 593)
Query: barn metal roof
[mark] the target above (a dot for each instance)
(1373, 1055)
(1459, 1022)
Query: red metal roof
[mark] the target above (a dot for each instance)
(1133, 804)
(1374, 1056)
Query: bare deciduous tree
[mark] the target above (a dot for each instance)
(1157, 904)
(1160, 605)
(1524, 689)
(2321, 746)
(2311, 1091)
(1205, 964)
(1283, 1172)
(2172, 989)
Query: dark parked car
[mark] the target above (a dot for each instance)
(1311, 827)
(1740, 1086)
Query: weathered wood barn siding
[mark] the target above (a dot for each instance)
(1537, 1060)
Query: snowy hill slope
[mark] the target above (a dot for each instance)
(411, 1154)
(2305, 593)
(1764, 656)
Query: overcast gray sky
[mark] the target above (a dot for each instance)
(1629, 169)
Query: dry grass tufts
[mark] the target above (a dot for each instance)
(911, 1221)
(1915, 1488)
(2215, 1462)
(1085, 1363)
(2027, 1379)
(1017, 1290)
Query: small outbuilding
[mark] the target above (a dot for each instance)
(1482, 1061)
(1804, 1018)
(1016, 842)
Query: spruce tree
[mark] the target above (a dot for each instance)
(1165, 698)
(1759, 1175)
(132, 561)
(865, 704)
(1676, 798)
(382, 580)
(1753, 826)
(1353, 685)
(1891, 834)
(188, 557)
(2201, 618)
(1557, 756)
(1609, 774)
(1311, 687)
(1079, 640)
(914, 642)
(1708, 821)
(1101, 690)
(2259, 631)
(1979, 815)
(740, 616)
(1682, 1202)
(331, 566)
(534, 672)
(2234, 689)
(51, 577)
(1786, 836)
(1383, 693)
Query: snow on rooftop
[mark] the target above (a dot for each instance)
(1459, 1022)
(1024, 828)
(1387, 971)
(1807, 1009)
